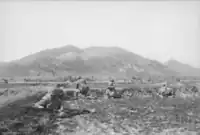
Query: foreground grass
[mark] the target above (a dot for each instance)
(134, 116)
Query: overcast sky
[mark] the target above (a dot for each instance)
(157, 30)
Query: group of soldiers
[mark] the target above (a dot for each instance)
(165, 91)
(54, 98)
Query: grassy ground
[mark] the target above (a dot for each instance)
(137, 115)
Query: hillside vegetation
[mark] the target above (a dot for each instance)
(97, 61)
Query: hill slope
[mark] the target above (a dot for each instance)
(183, 69)
(105, 61)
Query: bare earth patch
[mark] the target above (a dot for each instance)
(134, 116)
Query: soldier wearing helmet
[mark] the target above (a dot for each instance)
(111, 83)
(110, 92)
(162, 90)
(81, 85)
(79, 81)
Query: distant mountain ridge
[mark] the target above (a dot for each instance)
(183, 69)
(69, 59)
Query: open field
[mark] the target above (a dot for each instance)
(91, 84)
(138, 115)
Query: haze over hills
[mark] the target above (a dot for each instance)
(183, 69)
(105, 61)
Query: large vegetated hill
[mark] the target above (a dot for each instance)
(67, 60)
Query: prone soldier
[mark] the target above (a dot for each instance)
(52, 99)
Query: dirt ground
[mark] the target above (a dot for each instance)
(135, 116)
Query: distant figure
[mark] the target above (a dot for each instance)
(111, 84)
(82, 86)
(110, 92)
(78, 82)
(194, 89)
(162, 90)
(5, 80)
(165, 91)
(26, 80)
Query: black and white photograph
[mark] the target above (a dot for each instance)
(99, 67)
